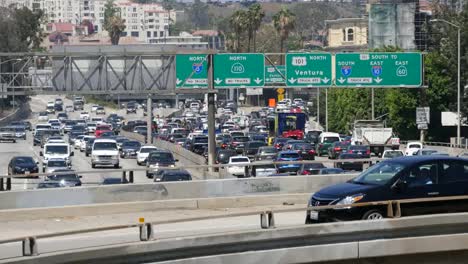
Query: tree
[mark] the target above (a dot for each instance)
(113, 23)
(255, 15)
(284, 22)
(115, 28)
(29, 27)
(198, 14)
(239, 23)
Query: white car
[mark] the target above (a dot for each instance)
(50, 104)
(97, 120)
(143, 153)
(84, 141)
(43, 116)
(241, 162)
(78, 141)
(84, 115)
(412, 148)
(105, 152)
(69, 108)
(390, 154)
(91, 127)
(94, 108)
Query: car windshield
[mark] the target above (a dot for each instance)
(234, 160)
(240, 139)
(414, 146)
(56, 163)
(56, 149)
(268, 151)
(65, 177)
(175, 177)
(161, 157)
(428, 152)
(303, 146)
(131, 144)
(254, 145)
(105, 146)
(25, 161)
(379, 174)
(289, 156)
(330, 139)
(393, 154)
(200, 140)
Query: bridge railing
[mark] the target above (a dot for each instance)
(267, 220)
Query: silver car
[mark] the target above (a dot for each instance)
(55, 164)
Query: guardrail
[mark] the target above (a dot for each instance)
(267, 221)
(6, 180)
(463, 145)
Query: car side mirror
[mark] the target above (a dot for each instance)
(41, 154)
(176, 160)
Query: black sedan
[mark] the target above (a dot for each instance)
(129, 149)
(66, 178)
(22, 165)
(350, 165)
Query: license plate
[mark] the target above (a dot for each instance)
(313, 215)
(26, 172)
(359, 153)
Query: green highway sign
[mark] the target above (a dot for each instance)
(239, 70)
(191, 71)
(378, 69)
(273, 75)
(308, 69)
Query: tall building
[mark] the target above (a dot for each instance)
(146, 22)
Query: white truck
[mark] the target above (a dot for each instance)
(375, 134)
(57, 151)
(105, 152)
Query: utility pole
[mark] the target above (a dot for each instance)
(149, 120)
(372, 103)
(211, 115)
(318, 107)
(326, 109)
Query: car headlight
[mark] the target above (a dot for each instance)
(154, 165)
(115, 156)
(94, 157)
(351, 199)
(18, 168)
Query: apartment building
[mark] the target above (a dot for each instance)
(146, 22)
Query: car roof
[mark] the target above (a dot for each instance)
(105, 140)
(416, 159)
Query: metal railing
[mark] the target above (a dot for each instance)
(267, 220)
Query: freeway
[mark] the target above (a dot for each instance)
(79, 162)
(163, 231)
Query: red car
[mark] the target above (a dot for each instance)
(101, 129)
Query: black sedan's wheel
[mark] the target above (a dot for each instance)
(373, 215)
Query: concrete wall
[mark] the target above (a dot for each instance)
(167, 191)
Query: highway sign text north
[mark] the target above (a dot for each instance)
(239, 70)
(191, 71)
(308, 69)
(378, 69)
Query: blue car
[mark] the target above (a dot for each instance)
(288, 156)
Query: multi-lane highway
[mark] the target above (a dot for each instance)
(79, 161)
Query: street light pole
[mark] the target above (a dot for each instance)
(458, 77)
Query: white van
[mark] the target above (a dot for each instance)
(413, 147)
(56, 151)
(105, 152)
(326, 139)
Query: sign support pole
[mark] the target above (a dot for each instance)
(318, 107)
(326, 109)
(211, 115)
(372, 102)
(149, 120)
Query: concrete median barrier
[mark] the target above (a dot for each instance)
(167, 191)
(148, 206)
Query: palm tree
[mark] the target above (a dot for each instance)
(115, 28)
(284, 22)
(238, 22)
(256, 15)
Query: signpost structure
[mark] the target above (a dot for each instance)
(239, 70)
(378, 69)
